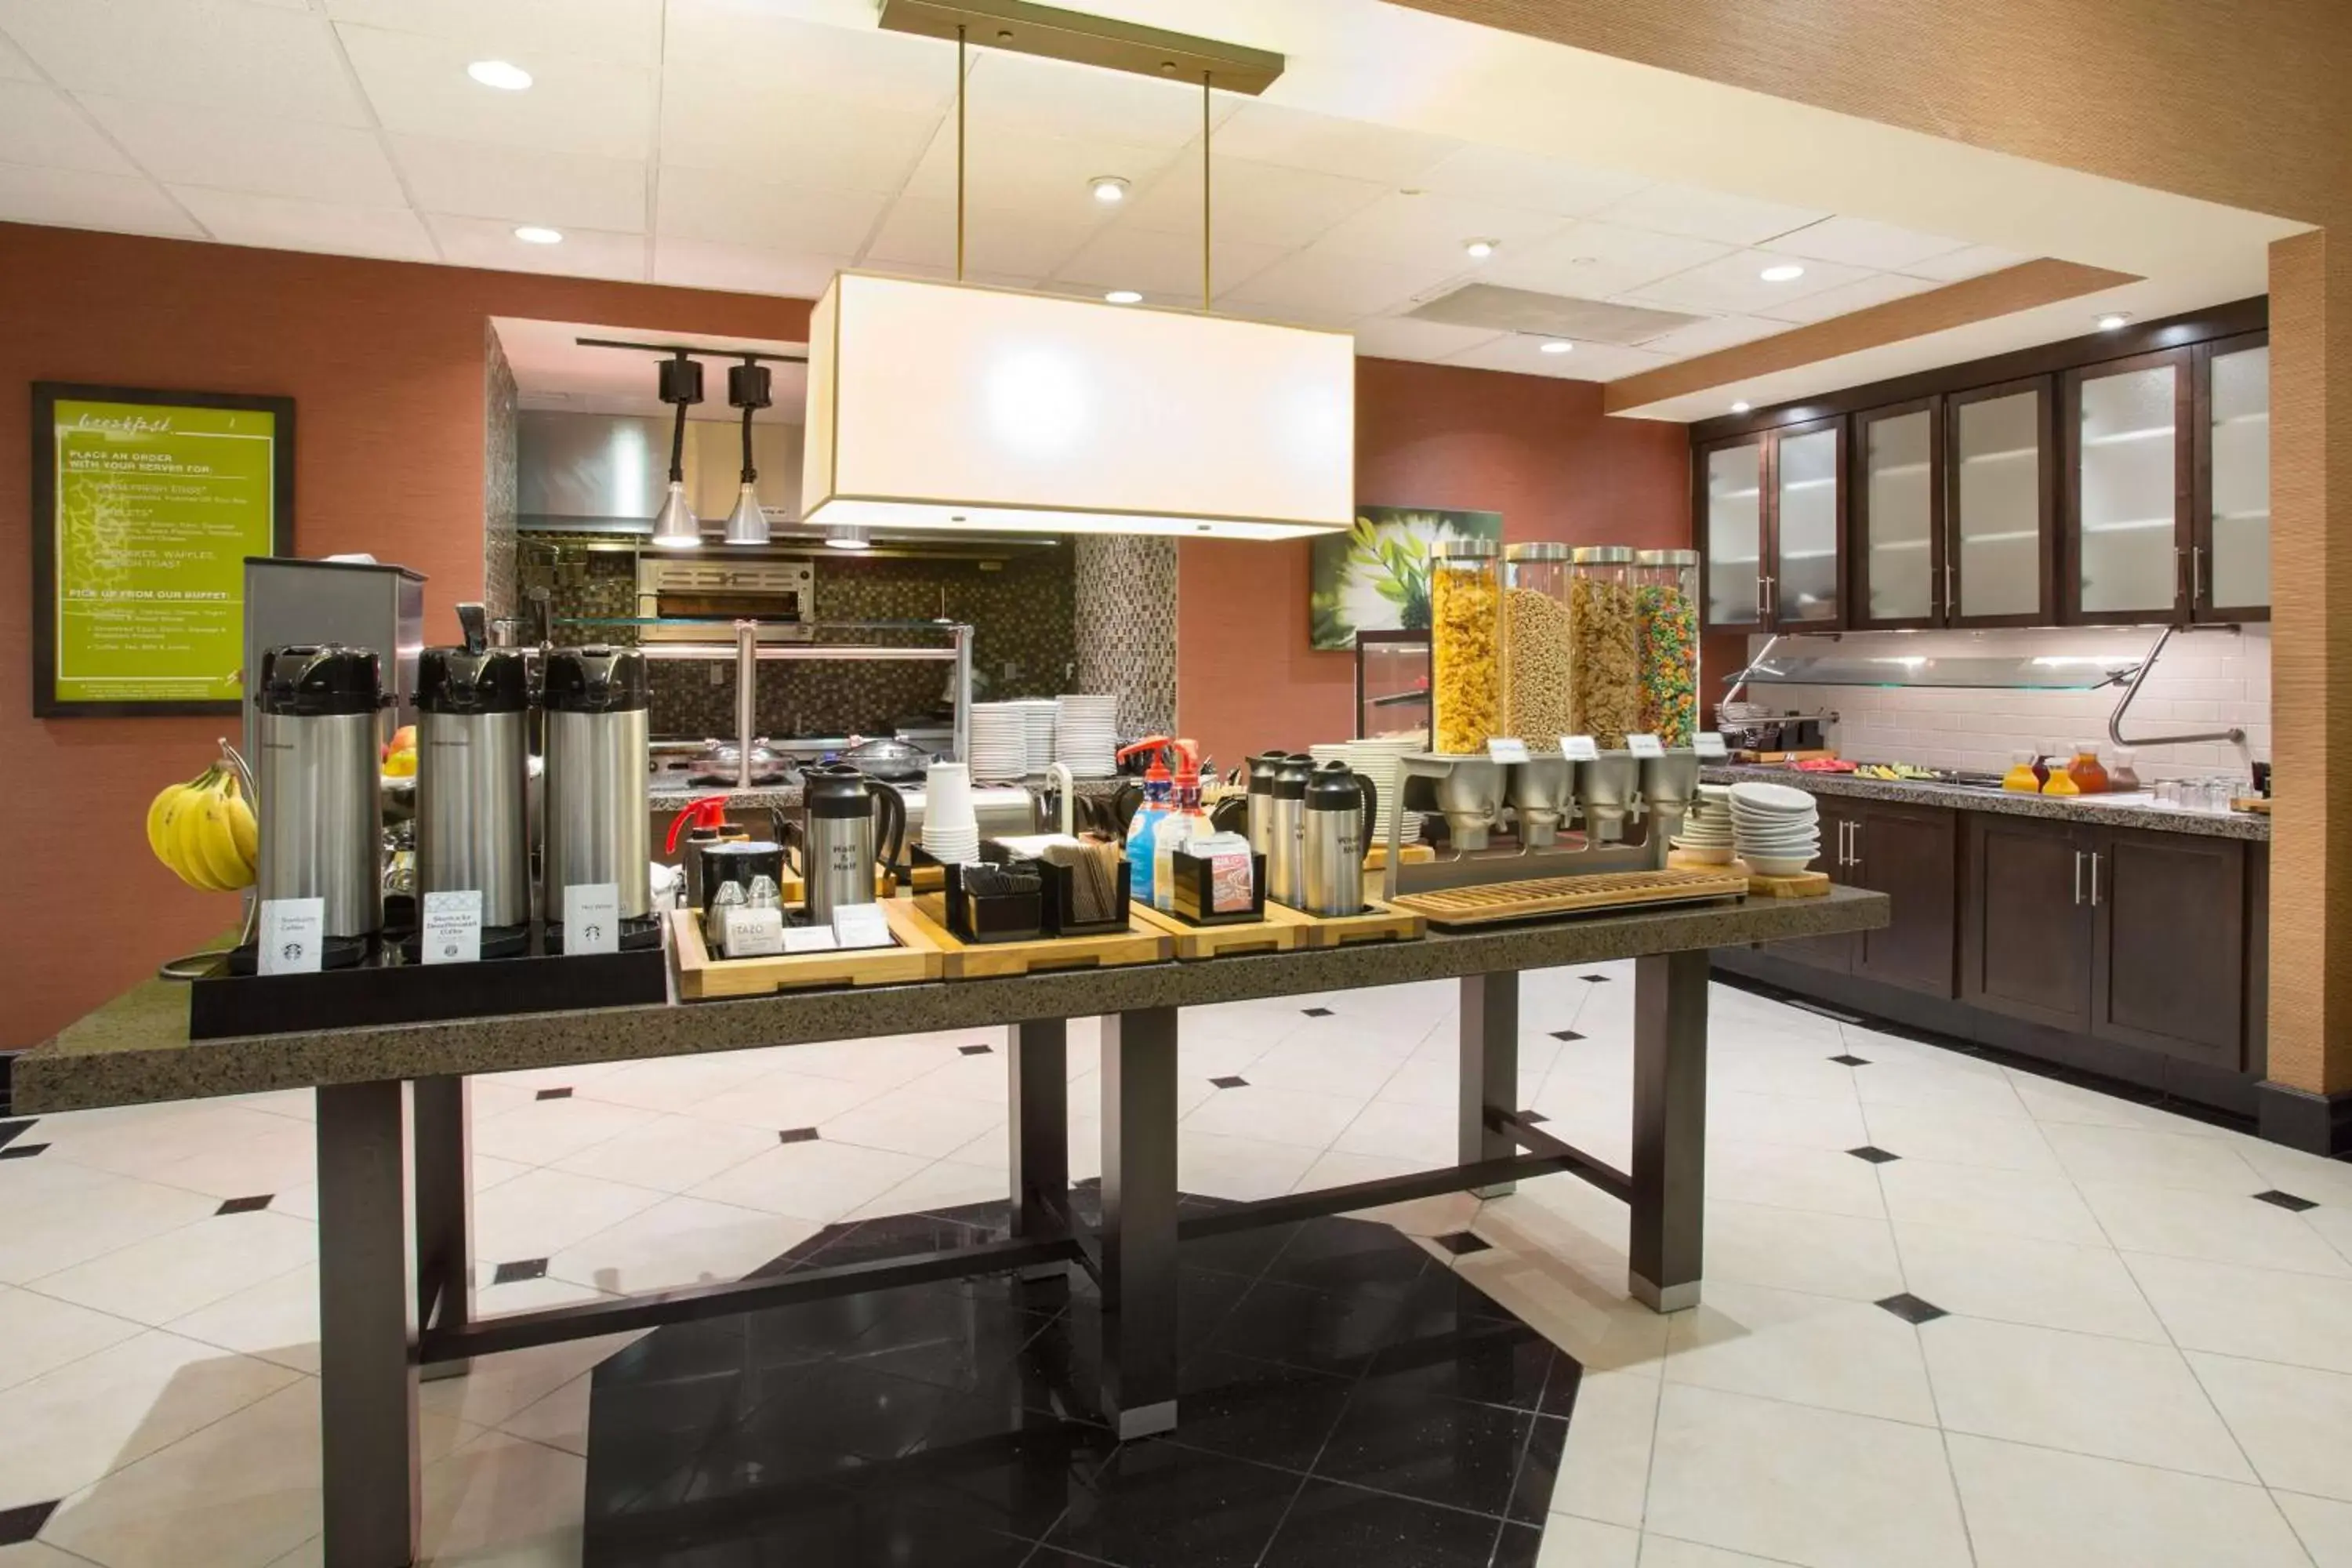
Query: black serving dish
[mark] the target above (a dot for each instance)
(1008, 917)
(1191, 875)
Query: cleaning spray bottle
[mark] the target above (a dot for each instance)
(1186, 819)
(1148, 817)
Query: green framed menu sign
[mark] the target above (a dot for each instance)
(146, 505)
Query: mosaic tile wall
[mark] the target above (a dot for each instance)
(500, 404)
(1125, 625)
(1021, 613)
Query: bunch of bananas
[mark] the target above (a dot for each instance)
(204, 830)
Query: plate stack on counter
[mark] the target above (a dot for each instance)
(1039, 716)
(1706, 835)
(1086, 736)
(999, 744)
(1381, 760)
(1775, 829)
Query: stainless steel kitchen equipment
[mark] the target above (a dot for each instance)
(354, 604)
(596, 827)
(841, 844)
(887, 758)
(473, 761)
(1002, 810)
(695, 599)
(1262, 769)
(1285, 846)
(1606, 785)
(1543, 794)
(320, 825)
(1471, 794)
(1337, 813)
(1541, 819)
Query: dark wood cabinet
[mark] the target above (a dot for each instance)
(1910, 853)
(1772, 516)
(2230, 548)
(2128, 458)
(2169, 950)
(1897, 503)
(2000, 486)
(2025, 925)
(1840, 821)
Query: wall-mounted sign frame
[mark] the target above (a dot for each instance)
(146, 505)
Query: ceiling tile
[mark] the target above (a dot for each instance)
(793, 56)
(1263, 204)
(1735, 285)
(922, 233)
(40, 128)
(1048, 176)
(723, 117)
(625, 32)
(123, 204)
(1165, 266)
(522, 184)
(281, 223)
(1861, 294)
(14, 66)
(223, 53)
(1593, 260)
(743, 269)
(704, 204)
(1396, 337)
(419, 85)
(1858, 242)
(183, 145)
(1707, 215)
(1431, 230)
(1268, 133)
(1510, 178)
(1321, 288)
(1055, 97)
(1973, 262)
(1523, 355)
(584, 253)
(1715, 333)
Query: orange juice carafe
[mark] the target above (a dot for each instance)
(2061, 782)
(2089, 778)
(2022, 776)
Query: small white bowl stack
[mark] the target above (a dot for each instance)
(1086, 736)
(1706, 835)
(1775, 829)
(999, 744)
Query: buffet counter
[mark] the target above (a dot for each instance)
(2135, 810)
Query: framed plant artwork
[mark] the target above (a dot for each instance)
(1375, 577)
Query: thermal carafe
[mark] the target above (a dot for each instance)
(473, 756)
(322, 823)
(1262, 769)
(1337, 817)
(838, 836)
(596, 817)
(1287, 810)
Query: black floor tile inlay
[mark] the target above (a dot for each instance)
(1594, 979)
(974, 1050)
(2286, 1201)
(1566, 1035)
(1316, 1012)
(1231, 1080)
(526, 1268)
(1344, 1399)
(21, 1150)
(1912, 1309)
(19, 1525)
(253, 1204)
(1849, 1059)
(797, 1135)
(553, 1094)
(12, 1131)
(1533, 1117)
(1874, 1154)
(1461, 1241)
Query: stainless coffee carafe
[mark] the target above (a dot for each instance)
(1286, 809)
(1262, 769)
(596, 817)
(473, 755)
(321, 820)
(839, 843)
(1339, 810)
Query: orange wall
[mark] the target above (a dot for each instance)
(1535, 449)
(385, 363)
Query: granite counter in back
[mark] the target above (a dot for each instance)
(2113, 811)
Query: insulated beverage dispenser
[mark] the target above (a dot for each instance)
(322, 823)
(596, 817)
(473, 754)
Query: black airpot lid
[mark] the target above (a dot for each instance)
(310, 679)
(473, 680)
(596, 680)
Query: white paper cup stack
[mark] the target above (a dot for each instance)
(950, 828)
(1706, 835)
(1775, 829)
(1086, 736)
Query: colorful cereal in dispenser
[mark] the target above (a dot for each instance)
(1666, 593)
(1466, 644)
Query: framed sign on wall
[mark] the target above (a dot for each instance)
(146, 505)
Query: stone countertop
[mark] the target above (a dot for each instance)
(2114, 812)
(136, 1050)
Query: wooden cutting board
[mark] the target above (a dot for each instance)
(701, 977)
(978, 960)
(1192, 942)
(1588, 894)
(1378, 922)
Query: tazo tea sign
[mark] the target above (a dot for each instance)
(146, 505)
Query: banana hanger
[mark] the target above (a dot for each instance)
(195, 965)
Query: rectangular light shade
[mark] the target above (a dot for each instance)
(946, 406)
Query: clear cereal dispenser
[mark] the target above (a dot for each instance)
(1665, 593)
(1605, 639)
(1466, 646)
(1538, 689)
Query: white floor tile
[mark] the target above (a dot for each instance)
(775, 1101)
(59, 1214)
(2219, 1228)
(1419, 1132)
(942, 1185)
(496, 1387)
(888, 1062)
(1960, 1137)
(144, 1145)
(302, 1201)
(1572, 1542)
(2039, 1205)
(1340, 1167)
(2028, 1508)
(41, 1334)
(1812, 1123)
(38, 1554)
(2295, 1423)
(1789, 1176)
(1324, 1068)
(2081, 1393)
(979, 1077)
(1949, 1082)
(1664, 1552)
(1816, 1486)
(547, 1130)
(2259, 1313)
(248, 1162)
(557, 1421)
(541, 1213)
(172, 1275)
(2323, 1524)
(1604, 1471)
(1808, 1350)
(276, 1320)
(671, 1153)
(1275, 1115)
(2017, 1279)
(909, 1121)
(2150, 1159)
(676, 1083)
(818, 1179)
(679, 1241)
(1214, 1165)
(1581, 1306)
(1787, 1249)
(504, 1494)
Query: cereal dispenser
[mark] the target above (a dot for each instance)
(1466, 644)
(1605, 639)
(1539, 695)
(1665, 594)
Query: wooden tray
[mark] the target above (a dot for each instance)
(1378, 922)
(1586, 894)
(701, 977)
(1272, 934)
(1803, 885)
(975, 960)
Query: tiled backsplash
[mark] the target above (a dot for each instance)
(2206, 680)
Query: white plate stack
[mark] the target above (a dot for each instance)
(1775, 829)
(1039, 715)
(1706, 835)
(951, 826)
(1086, 736)
(999, 744)
(1381, 760)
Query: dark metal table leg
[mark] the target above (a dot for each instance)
(445, 1210)
(1669, 1128)
(367, 1334)
(1139, 1221)
(1038, 1063)
(1490, 1069)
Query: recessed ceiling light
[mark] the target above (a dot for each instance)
(1783, 272)
(531, 234)
(1478, 250)
(1740, 407)
(846, 537)
(2115, 321)
(1554, 346)
(1124, 296)
(499, 74)
(1109, 189)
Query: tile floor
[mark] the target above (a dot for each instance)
(2056, 1327)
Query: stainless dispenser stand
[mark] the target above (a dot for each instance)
(1606, 795)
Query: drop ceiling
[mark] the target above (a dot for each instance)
(760, 146)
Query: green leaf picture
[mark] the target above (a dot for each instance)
(1375, 577)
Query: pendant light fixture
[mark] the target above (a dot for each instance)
(747, 389)
(674, 526)
(951, 406)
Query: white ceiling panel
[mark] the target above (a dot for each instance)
(1321, 288)
(221, 54)
(522, 32)
(183, 145)
(14, 66)
(1735, 285)
(1973, 262)
(1399, 337)
(1431, 230)
(704, 204)
(41, 128)
(1268, 133)
(1707, 215)
(418, 85)
(78, 200)
(1858, 242)
(723, 117)
(1523, 355)
(1594, 261)
(1166, 266)
(522, 184)
(584, 253)
(1877, 288)
(1715, 332)
(856, 62)
(1261, 203)
(1514, 179)
(1048, 176)
(240, 217)
(1054, 97)
(741, 268)
(1000, 241)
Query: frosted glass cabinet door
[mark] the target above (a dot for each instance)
(2130, 488)
(2233, 569)
(2000, 464)
(1735, 535)
(1897, 536)
(1804, 589)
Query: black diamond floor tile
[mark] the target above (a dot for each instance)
(12, 1131)
(2286, 1201)
(554, 1094)
(1231, 1080)
(1874, 1154)
(19, 1525)
(974, 1050)
(1316, 1012)
(1912, 1309)
(1848, 1059)
(1594, 979)
(797, 1135)
(1333, 1525)
(525, 1269)
(1158, 1504)
(1566, 1035)
(246, 1205)
(1461, 1241)
(21, 1150)
(1533, 1117)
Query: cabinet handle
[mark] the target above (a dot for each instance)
(1853, 844)
(2078, 878)
(2094, 878)
(1951, 588)
(2195, 575)
(1761, 581)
